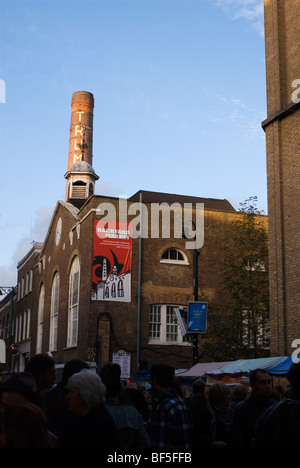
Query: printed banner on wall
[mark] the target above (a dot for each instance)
(112, 261)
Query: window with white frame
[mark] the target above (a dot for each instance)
(30, 280)
(17, 329)
(73, 303)
(20, 327)
(22, 291)
(163, 325)
(28, 323)
(40, 320)
(24, 325)
(27, 283)
(54, 313)
(174, 255)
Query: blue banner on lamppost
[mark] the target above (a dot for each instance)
(197, 317)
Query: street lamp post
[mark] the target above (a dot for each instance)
(195, 298)
(195, 293)
(4, 290)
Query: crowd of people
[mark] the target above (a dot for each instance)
(87, 409)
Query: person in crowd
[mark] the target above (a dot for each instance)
(197, 402)
(171, 423)
(19, 389)
(42, 367)
(129, 422)
(224, 432)
(197, 399)
(178, 387)
(24, 426)
(279, 426)
(278, 393)
(251, 408)
(137, 398)
(57, 404)
(239, 393)
(91, 425)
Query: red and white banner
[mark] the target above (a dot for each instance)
(112, 261)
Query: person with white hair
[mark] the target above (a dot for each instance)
(90, 425)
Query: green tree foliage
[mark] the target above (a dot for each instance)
(238, 323)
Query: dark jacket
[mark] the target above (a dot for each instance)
(279, 427)
(224, 427)
(198, 405)
(247, 413)
(97, 429)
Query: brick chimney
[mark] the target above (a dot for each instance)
(81, 176)
(81, 130)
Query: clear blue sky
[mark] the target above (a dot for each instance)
(179, 88)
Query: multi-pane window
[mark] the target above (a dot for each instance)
(163, 325)
(171, 325)
(155, 323)
(54, 313)
(73, 303)
(40, 320)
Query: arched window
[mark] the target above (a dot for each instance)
(39, 339)
(54, 313)
(120, 288)
(74, 281)
(113, 290)
(174, 255)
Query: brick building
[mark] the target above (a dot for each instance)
(282, 130)
(108, 275)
